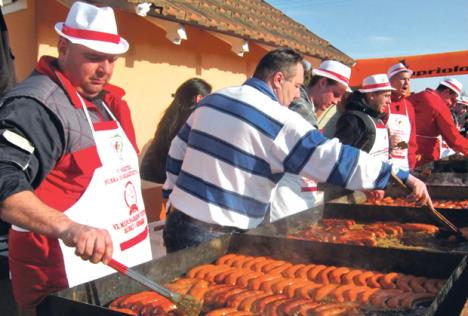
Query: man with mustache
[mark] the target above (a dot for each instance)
(68, 164)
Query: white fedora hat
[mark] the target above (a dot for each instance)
(374, 83)
(453, 84)
(334, 70)
(463, 100)
(92, 27)
(397, 68)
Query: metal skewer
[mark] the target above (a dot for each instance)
(435, 213)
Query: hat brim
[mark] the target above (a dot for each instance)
(451, 88)
(318, 72)
(403, 70)
(376, 89)
(99, 46)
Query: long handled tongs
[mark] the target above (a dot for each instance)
(185, 303)
(435, 213)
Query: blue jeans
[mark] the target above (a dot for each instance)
(179, 233)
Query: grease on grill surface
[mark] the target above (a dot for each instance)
(238, 285)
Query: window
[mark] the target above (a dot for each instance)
(9, 6)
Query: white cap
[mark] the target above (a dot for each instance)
(334, 70)
(374, 83)
(453, 84)
(397, 68)
(92, 27)
(463, 100)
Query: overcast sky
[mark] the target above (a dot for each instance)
(377, 28)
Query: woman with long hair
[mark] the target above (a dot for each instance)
(188, 94)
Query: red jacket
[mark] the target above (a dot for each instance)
(403, 106)
(433, 118)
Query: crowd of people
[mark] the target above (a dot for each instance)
(229, 160)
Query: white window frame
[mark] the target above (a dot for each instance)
(8, 6)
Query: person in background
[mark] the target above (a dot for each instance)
(69, 166)
(361, 125)
(187, 96)
(400, 122)
(7, 65)
(463, 115)
(433, 118)
(327, 85)
(228, 157)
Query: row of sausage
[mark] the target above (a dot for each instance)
(347, 231)
(245, 285)
(407, 201)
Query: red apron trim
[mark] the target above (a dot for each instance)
(397, 156)
(135, 240)
(103, 126)
(309, 189)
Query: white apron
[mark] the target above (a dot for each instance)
(112, 201)
(399, 127)
(380, 147)
(293, 194)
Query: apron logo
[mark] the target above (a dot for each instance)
(130, 196)
(117, 145)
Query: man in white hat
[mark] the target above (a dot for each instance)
(434, 121)
(69, 167)
(326, 88)
(361, 124)
(238, 143)
(400, 121)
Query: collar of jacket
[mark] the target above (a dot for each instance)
(262, 87)
(357, 102)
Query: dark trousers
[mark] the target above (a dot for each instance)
(180, 233)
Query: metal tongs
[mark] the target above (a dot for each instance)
(185, 303)
(435, 213)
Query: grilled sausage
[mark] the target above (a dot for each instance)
(246, 304)
(273, 308)
(255, 284)
(291, 272)
(281, 268)
(212, 274)
(352, 294)
(223, 259)
(243, 281)
(348, 278)
(323, 276)
(307, 291)
(259, 305)
(232, 278)
(250, 263)
(291, 289)
(240, 261)
(222, 274)
(273, 265)
(388, 281)
(210, 295)
(302, 272)
(222, 297)
(222, 311)
(361, 279)
(199, 289)
(373, 281)
(338, 293)
(379, 298)
(279, 287)
(417, 284)
(363, 297)
(334, 309)
(403, 282)
(313, 273)
(322, 292)
(194, 271)
(235, 300)
(431, 285)
(287, 308)
(335, 275)
(303, 309)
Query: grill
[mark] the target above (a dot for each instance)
(91, 298)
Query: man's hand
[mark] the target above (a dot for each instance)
(374, 195)
(419, 190)
(90, 243)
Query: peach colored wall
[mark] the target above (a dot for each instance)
(152, 69)
(23, 39)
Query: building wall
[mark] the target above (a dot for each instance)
(150, 71)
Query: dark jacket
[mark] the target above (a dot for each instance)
(353, 128)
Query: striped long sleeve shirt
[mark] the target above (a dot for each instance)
(238, 143)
